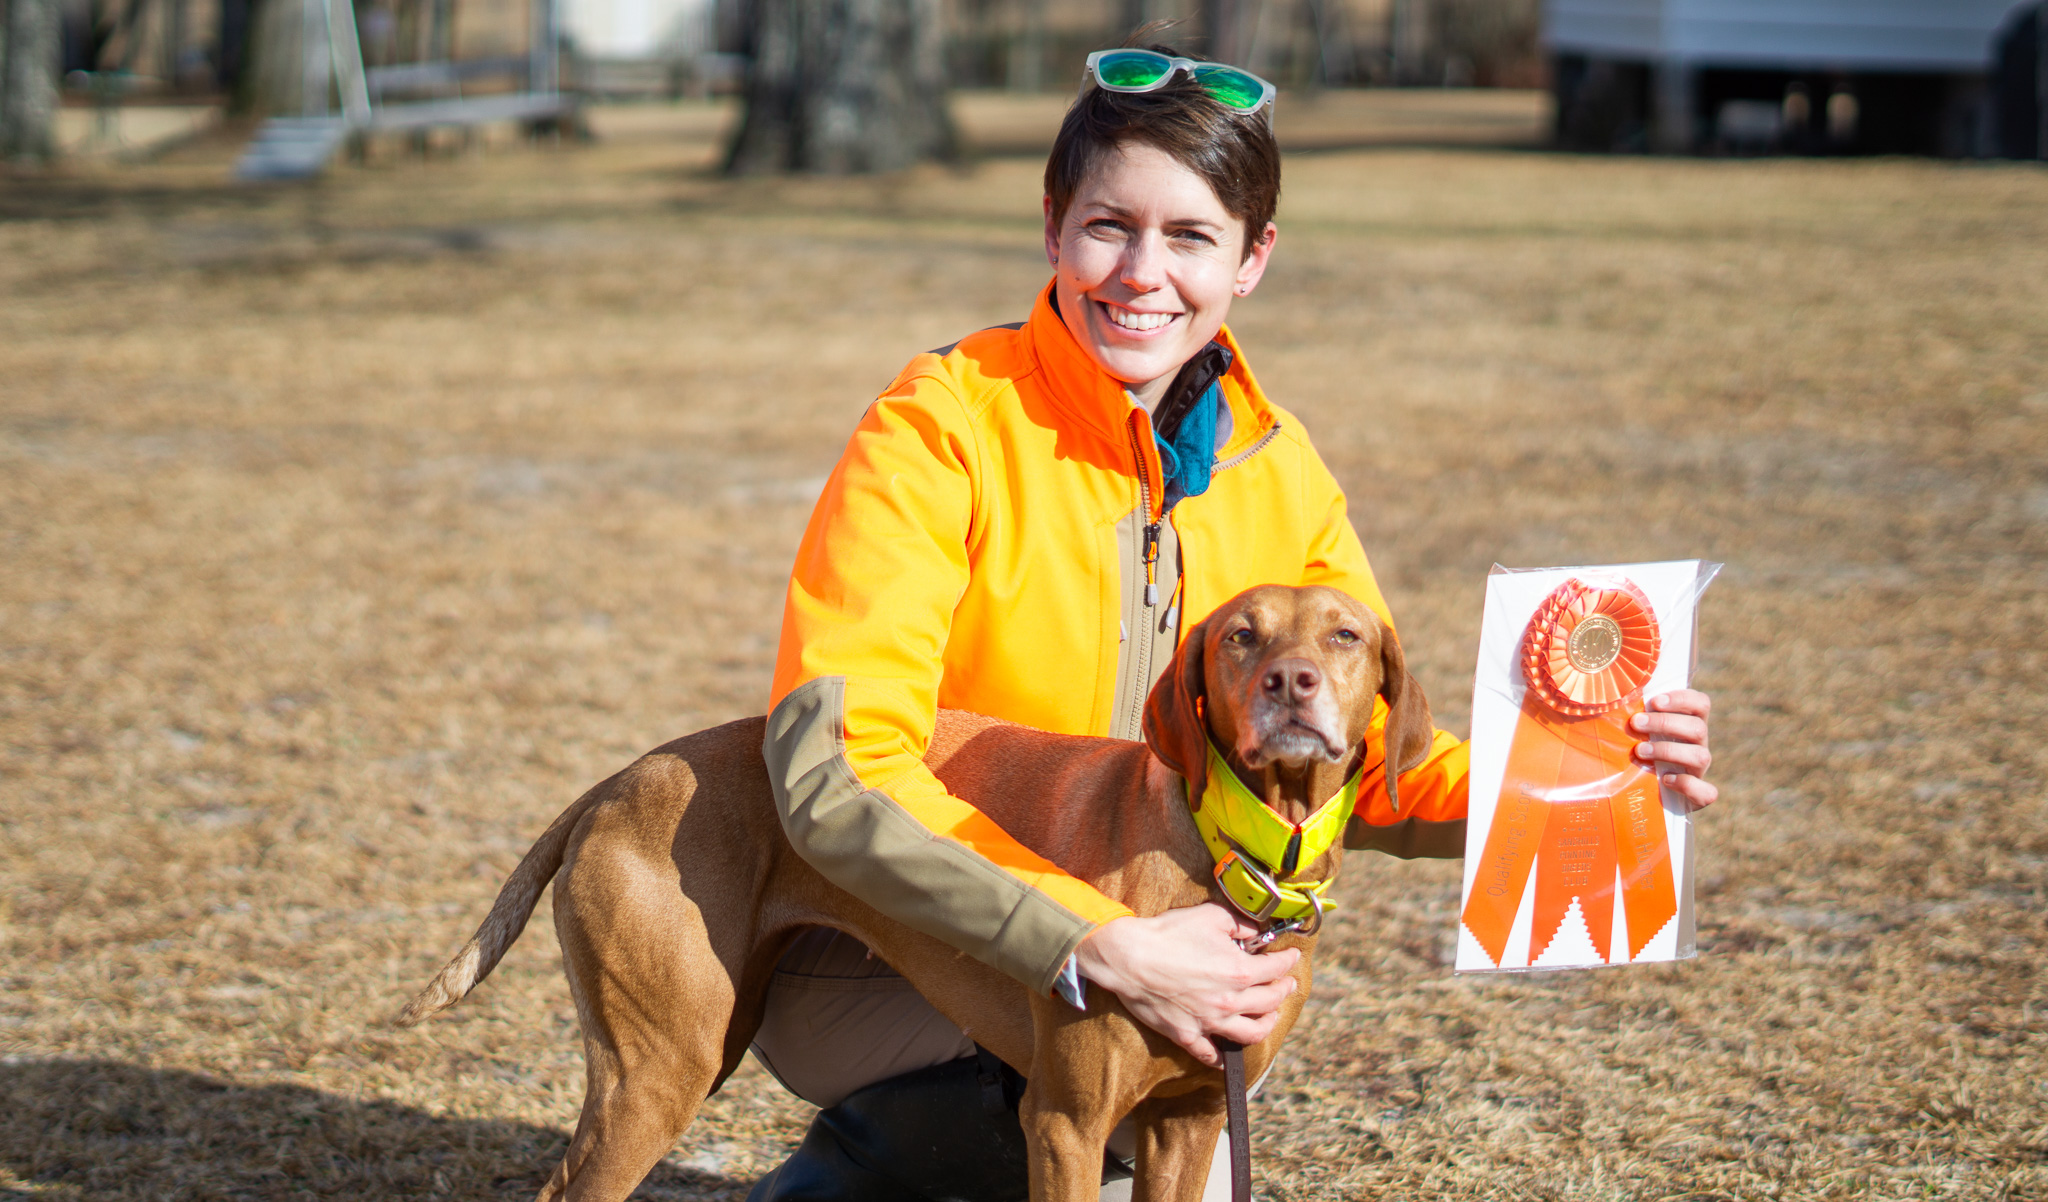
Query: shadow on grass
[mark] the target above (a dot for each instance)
(71, 200)
(96, 1131)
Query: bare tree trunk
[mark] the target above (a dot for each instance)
(28, 100)
(274, 76)
(843, 86)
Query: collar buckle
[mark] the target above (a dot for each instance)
(1259, 907)
(1253, 891)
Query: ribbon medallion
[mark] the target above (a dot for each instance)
(1575, 808)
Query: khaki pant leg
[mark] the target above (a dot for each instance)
(838, 1019)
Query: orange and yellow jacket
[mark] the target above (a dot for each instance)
(982, 546)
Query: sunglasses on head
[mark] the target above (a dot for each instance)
(1148, 70)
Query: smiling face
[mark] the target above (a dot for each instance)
(1147, 261)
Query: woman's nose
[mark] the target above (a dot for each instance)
(1144, 264)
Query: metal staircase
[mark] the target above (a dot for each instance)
(286, 148)
(291, 148)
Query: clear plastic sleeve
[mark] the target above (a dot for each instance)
(1575, 856)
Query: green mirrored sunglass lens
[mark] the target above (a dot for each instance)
(1130, 70)
(1231, 87)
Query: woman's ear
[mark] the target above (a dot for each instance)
(1052, 235)
(1410, 727)
(1256, 256)
(1174, 727)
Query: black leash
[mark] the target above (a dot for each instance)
(1240, 1120)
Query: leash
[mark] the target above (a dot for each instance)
(1240, 1125)
(1236, 1090)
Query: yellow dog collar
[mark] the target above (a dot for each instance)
(1258, 853)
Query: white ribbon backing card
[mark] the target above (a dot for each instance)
(1513, 597)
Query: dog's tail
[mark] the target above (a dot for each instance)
(504, 923)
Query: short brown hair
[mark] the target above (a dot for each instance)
(1233, 152)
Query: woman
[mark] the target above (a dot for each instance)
(1021, 526)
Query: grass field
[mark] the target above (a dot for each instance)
(348, 533)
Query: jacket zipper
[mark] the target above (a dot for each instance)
(1249, 451)
(1151, 525)
(1143, 675)
(1142, 654)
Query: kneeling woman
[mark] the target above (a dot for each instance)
(1022, 526)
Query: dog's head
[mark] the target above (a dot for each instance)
(1286, 676)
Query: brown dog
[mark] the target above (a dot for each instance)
(679, 893)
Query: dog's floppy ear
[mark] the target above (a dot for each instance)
(1410, 729)
(1174, 728)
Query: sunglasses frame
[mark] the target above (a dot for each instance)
(1174, 65)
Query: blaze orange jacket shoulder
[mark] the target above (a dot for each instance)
(979, 547)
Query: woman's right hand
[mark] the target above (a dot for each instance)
(1183, 974)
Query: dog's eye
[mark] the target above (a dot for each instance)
(1242, 636)
(1347, 637)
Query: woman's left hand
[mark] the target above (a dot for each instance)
(1676, 725)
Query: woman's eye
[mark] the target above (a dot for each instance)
(1347, 636)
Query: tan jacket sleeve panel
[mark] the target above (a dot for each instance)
(1412, 839)
(1434, 796)
(871, 598)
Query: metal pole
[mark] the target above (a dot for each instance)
(347, 49)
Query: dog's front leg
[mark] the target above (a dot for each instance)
(1065, 1147)
(1177, 1139)
(1087, 1071)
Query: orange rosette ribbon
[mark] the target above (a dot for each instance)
(1575, 807)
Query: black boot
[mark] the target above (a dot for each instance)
(948, 1133)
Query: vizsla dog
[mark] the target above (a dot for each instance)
(679, 893)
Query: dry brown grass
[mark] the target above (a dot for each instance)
(349, 533)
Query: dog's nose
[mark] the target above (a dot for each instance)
(1291, 681)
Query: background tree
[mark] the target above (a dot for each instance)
(1490, 42)
(843, 86)
(28, 82)
(272, 76)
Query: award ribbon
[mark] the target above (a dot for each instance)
(1574, 804)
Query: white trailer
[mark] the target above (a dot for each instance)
(1925, 76)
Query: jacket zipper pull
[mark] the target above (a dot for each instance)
(1152, 565)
